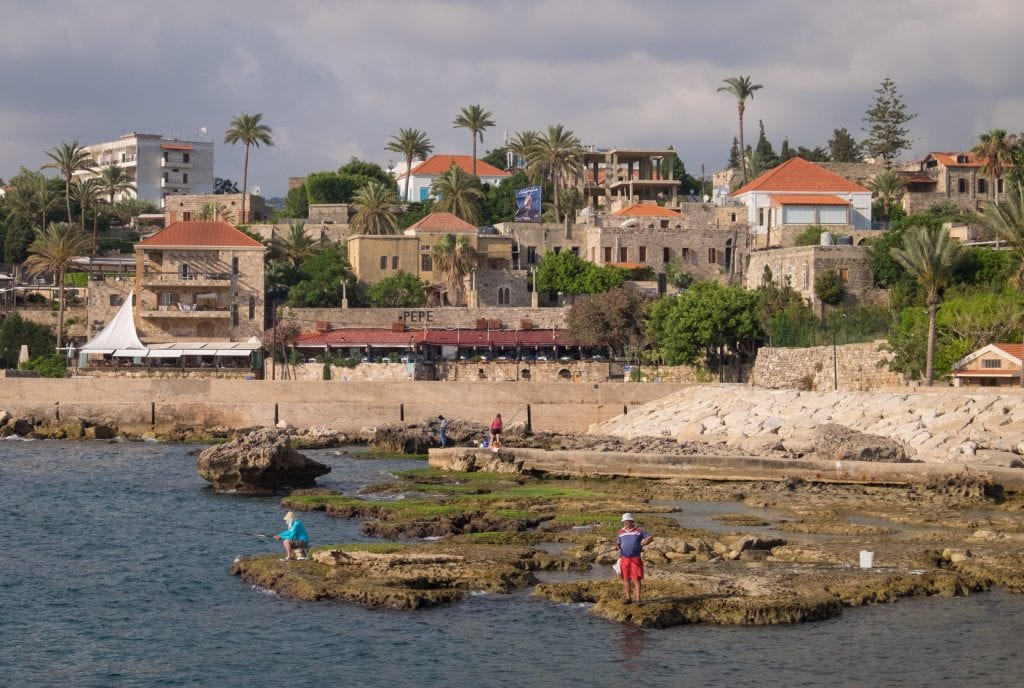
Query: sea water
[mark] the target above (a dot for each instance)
(115, 572)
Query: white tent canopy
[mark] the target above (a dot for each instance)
(119, 335)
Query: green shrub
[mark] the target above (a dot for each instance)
(51, 365)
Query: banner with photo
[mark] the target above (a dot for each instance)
(528, 204)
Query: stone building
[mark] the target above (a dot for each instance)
(798, 267)
(955, 177)
(199, 281)
(214, 207)
(619, 177)
(995, 365)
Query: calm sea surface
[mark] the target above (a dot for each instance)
(115, 573)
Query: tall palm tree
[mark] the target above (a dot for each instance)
(69, 158)
(412, 144)
(886, 187)
(476, 119)
(521, 144)
(295, 246)
(88, 193)
(376, 209)
(557, 155)
(458, 193)
(454, 258)
(114, 180)
(52, 252)
(995, 151)
(1006, 221)
(931, 256)
(250, 131)
(742, 88)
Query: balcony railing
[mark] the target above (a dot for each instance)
(187, 310)
(176, 164)
(192, 279)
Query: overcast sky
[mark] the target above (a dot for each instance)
(337, 79)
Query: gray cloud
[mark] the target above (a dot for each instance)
(336, 79)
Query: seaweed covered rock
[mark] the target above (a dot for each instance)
(261, 461)
(840, 443)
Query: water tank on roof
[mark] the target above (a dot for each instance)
(826, 238)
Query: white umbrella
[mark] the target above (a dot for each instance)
(23, 355)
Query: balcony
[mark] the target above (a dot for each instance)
(175, 164)
(171, 184)
(186, 311)
(192, 279)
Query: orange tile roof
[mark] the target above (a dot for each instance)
(798, 175)
(949, 159)
(807, 199)
(201, 234)
(442, 222)
(647, 210)
(1015, 350)
(439, 164)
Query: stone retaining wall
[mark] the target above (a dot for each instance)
(861, 368)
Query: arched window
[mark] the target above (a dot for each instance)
(508, 296)
(394, 262)
(383, 262)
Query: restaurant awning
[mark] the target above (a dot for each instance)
(232, 352)
(163, 353)
(127, 353)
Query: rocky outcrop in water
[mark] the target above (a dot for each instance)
(259, 462)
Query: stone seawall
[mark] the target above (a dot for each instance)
(861, 367)
(941, 425)
(140, 405)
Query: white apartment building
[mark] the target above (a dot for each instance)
(157, 166)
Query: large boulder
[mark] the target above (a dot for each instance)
(840, 443)
(259, 462)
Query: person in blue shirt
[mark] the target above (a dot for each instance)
(631, 542)
(295, 539)
(444, 431)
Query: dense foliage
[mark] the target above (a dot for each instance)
(567, 273)
(613, 319)
(15, 331)
(400, 290)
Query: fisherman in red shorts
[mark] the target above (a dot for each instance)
(631, 542)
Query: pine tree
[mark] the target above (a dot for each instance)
(887, 135)
(842, 147)
(734, 154)
(785, 153)
(764, 149)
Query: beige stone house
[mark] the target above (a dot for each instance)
(995, 365)
(799, 266)
(950, 176)
(199, 281)
(224, 207)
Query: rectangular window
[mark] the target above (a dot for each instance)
(982, 186)
(234, 315)
(798, 215)
(575, 250)
(557, 250)
(832, 216)
(712, 256)
(165, 298)
(999, 185)
(666, 254)
(623, 254)
(426, 264)
(394, 262)
(760, 217)
(184, 178)
(732, 217)
(531, 255)
(961, 185)
(165, 157)
(807, 278)
(991, 363)
(607, 254)
(844, 275)
(186, 216)
(686, 255)
(642, 257)
(165, 176)
(183, 270)
(234, 266)
(252, 308)
(185, 157)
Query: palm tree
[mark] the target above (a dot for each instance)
(248, 130)
(412, 144)
(52, 252)
(211, 212)
(35, 200)
(88, 193)
(69, 158)
(376, 209)
(557, 155)
(995, 151)
(886, 187)
(931, 256)
(476, 119)
(1006, 221)
(458, 193)
(521, 144)
(454, 258)
(114, 180)
(742, 88)
(295, 246)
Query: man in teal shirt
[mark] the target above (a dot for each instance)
(294, 539)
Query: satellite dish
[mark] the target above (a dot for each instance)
(256, 191)
(706, 198)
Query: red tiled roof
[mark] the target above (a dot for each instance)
(799, 176)
(1015, 350)
(201, 234)
(442, 222)
(949, 159)
(459, 337)
(807, 199)
(647, 210)
(439, 164)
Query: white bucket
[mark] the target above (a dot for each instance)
(867, 559)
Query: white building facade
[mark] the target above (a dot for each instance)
(424, 173)
(157, 166)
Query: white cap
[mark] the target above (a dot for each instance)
(627, 517)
